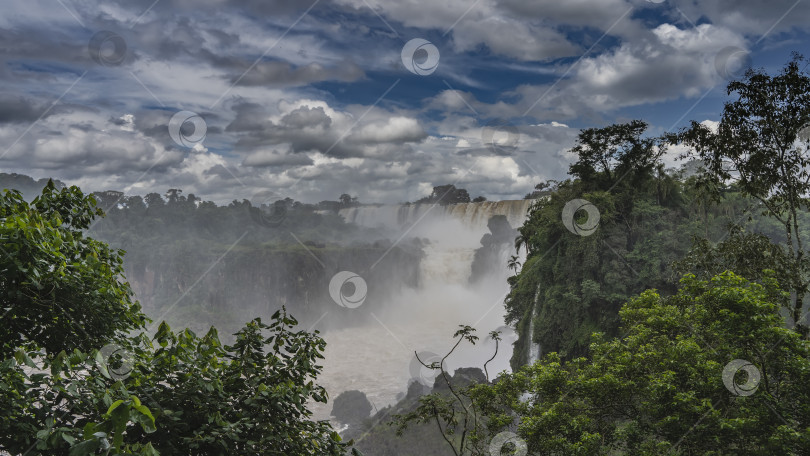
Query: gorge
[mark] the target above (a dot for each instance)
(428, 268)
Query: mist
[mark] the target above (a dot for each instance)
(377, 357)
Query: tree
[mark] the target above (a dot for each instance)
(446, 194)
(751, 255)
(542, 189)
(135, 204)
(108, 200)
(608, 154)
(513, 263)
(668, 386)
(347, 200)
(479, 199)
(154, 200)
(59, 289)
(756, 146)
(254, 402)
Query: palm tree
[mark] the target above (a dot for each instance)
(520, 241)
(513, 263)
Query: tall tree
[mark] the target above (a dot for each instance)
(757, 145)
(609, 153)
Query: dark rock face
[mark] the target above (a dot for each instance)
(351, 407)
(416, 390)
(488, 257)
(463, 376)
(259, 280)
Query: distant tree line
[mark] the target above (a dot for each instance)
(448, 194)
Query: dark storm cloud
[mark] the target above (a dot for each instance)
(489, 150)
(250, 7)
(304, 128)
(19, 109)
(265, 158)
(306, 116)
(282, 73)
(28, 52)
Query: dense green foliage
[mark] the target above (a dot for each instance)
(750, 173)
(80, 376)
(757, 145)
(660, 389)
(573, 285)
(447, 194)
(55, 279)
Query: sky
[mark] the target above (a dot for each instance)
(380, 99)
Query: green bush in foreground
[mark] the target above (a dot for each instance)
(660, 389)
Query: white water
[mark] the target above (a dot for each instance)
(534, 349)
(375, 359)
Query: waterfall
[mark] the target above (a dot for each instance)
(473, 216)
(454, 232)
(375, 358)
(534, 348)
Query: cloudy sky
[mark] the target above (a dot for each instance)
(381, 99)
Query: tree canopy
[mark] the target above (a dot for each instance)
(661, 388)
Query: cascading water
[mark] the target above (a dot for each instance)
(375, 359)
(534, 348)
(473, 216)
